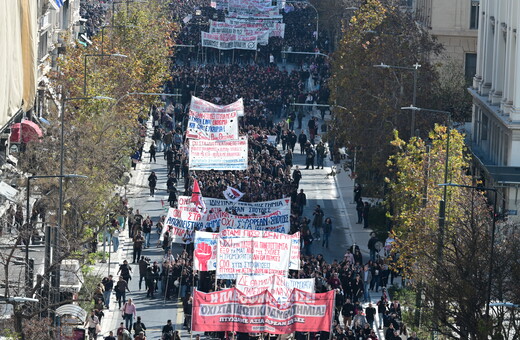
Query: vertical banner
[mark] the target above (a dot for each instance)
(252, 256)
(218, 155)
(232, 311)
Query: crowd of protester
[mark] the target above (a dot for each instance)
(268, 93)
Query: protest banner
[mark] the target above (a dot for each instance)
(252, 256)
(205, 251)
(212, 125)
(225, 41)
(231, 310)
(179, 223)
(242, 208)
(205, 245)
(218, 155)
(279, 286)
(275, 221)
(201, 105)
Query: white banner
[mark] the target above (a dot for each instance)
(179, 223)
(205, 253)
(261, 33)
(276, 29)
(201, 105)
(242, 208)
(218, 155)
(252, 256)
(279, 286)
(223, 41)
(212, 125)
(275, 221)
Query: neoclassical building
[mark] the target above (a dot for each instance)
(495, 128)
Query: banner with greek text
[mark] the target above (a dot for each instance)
(280, 286)
(201, 105)
(212, 125)
(205, 245)
(275, 221)
(233, 311)
(218, 155)
(179, 223)
(252, 256)
(276, 29)
(242, 208)
(223, 41)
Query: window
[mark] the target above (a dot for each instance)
(484, 133)
(470, 65)
(474, 14)
(42, 46)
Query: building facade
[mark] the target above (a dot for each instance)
(495, 129)
(455, 24)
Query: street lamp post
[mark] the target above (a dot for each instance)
(493, 229)
(85, 66)
(414, 96)
(28, 280)
(56, 277)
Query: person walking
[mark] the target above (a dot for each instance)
(317, 221)
(108, 285)
(309, 156)
(121, 289)
(327, 230)
(143, 265)
(152, 183)
(129, 311)
(302, 139)
(366, 210)
(147, 231)
(372, 246)
(359, 210)
(301, 201)
(125, 271)
(138, 246)
(307, 242)
(321, 153)
(92, 324)
(152, 152)
(297, 176)
(139, 326)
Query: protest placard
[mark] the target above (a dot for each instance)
(253, 256)
(279, 286)
(231, 310)
(242, 208)
(205, 245)
(212, 125)
(276, 221)
(218, 155)
(201, 105)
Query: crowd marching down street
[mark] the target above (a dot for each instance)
(225, 229)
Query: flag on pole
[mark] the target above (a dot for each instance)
(232, 194)
(196, 197)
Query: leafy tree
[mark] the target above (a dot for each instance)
(99, 137)
(371, 97)
(452, 275)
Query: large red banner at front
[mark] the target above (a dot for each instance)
(231, 310)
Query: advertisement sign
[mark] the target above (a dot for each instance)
(252, 256)
(279, 286)
(201, 105)
(205, 245)
(242, 208)
(231, 310)
(212, 125)
(218, 155)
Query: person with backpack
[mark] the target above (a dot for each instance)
(139, 326)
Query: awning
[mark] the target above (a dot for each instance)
(30, 132)
(57, 4)
(8, 191)
(72, 310)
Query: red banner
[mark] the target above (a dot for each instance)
(231, 310)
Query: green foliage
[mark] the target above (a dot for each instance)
(379, 33)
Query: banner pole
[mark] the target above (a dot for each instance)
(332, 318)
